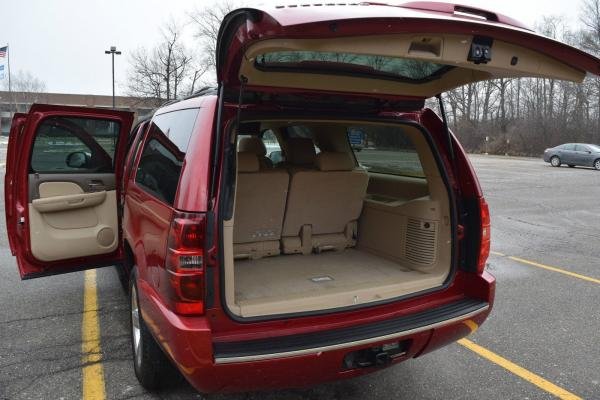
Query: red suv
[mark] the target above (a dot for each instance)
(261, 248)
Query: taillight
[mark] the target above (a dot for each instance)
(185, 262)
(484, 246)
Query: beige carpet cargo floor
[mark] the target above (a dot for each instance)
(299, 283)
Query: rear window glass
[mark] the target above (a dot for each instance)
(385, 150)
(161, 162)
(177, 126)
(333, 62)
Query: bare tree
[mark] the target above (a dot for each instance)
(26, 88)
(590, 18)
(206, 22)
(24, 81)
(163, 71)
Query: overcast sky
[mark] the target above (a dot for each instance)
(62, 42)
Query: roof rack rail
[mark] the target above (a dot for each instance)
(202, 92)
(206, 90)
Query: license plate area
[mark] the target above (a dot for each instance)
(376, 356)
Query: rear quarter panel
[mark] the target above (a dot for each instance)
(194, 184)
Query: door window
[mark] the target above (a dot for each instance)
(74, 145)
(568, 147)
(580, 147)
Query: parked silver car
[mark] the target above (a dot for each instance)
(572, 154)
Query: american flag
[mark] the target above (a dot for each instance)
(3, 51)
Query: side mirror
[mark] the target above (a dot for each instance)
(77, 159)
(276, 156)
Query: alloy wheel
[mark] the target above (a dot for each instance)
(136, 335)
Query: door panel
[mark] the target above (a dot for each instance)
(66, 175)
(72, 225)
(566, 156)
(582, 155)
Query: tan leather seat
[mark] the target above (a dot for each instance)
(324, 205)
(254, 144)
(259, 208)
(300, 153)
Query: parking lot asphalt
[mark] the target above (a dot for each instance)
(545, 320)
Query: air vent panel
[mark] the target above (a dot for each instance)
(421, 241)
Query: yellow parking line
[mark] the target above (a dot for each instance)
(555, 269)
(93, 372)
(519, 371)
(547, 267)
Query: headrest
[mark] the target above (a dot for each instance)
(247, 162)
(300, 151)
(327, 161)
(252, 144)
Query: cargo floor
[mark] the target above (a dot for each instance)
(302, 283)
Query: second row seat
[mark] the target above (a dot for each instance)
(323, 205)
(319, 212)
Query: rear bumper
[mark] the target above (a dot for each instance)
(353, 337)
(300, 360)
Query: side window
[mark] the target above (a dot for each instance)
(299, 131)
(569, 147)
(159, 169)
(272, 145)
(385, 150)
(74, 145)
(302, 131)
(162, 158)
(580, 147)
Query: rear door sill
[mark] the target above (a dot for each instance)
(314, 342)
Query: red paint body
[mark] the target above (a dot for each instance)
(189, 339)
(146, 221)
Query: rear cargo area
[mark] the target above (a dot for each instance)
(276, 285)
(325, 224)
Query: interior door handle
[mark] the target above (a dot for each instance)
(96, 185)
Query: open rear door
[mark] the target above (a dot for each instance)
(414, 50)
(63, 169)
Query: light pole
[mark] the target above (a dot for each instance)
(113, 51)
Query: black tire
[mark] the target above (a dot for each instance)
(152, 367)
(597, 164)
(555, 161)
(571, 166)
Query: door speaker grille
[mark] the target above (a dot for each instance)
(421, 238)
